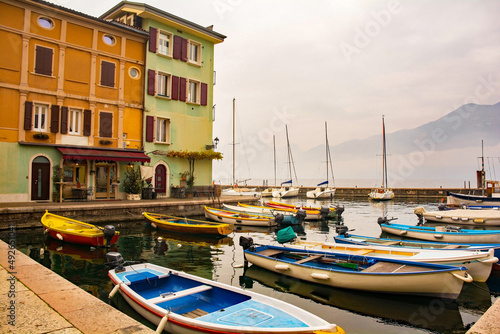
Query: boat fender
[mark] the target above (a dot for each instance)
(45, 231)
(153, 225)
(467, 278)
(162, 324)
(115, 290)
(438, 235)
(320, 276)
(491, 260)
(281, 267)
(403, 232)
(60, 237)
(479, 220)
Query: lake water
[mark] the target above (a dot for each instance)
(222, 260)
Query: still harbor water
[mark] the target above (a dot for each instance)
(222, 261)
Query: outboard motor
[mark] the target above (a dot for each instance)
(342, 230)
(324, 212)
(247, 243)
(339, 209)
(301, 215)
(278, 218)
(114, 260)
(441, 207)
(109, 232)
(382, 220)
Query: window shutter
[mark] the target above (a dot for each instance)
(87, 122)
(204, 94)
(151, 82)
(175, 87)
(150, 122)
(182, 89)
(177, 47)
(107, 74)
(184, 52)
(105, 124)
(43, 61)
(64, 120)
(28, 115)
(152, 39)
(54, 118)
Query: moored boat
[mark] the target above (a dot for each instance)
(309, 214)
(323, 190)
(237, 218)
(78, 232)
(178, 302)
(441, 233)
(360, 272)
(333, 211)
(383, 193)
(485, 217)
(185, 225)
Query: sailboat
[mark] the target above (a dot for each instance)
(321, 191)
(268, 192)
(288, 191)
(383, 193)
(236, 190)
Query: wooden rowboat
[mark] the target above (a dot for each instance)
(77, 232)
(184, 225)
(486, 217)
(442, 233)
(238, 218)
(361, 272)
(181, 303)
(334, 212)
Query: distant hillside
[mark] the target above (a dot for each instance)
(464, 127)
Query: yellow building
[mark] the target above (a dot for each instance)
(67, 83)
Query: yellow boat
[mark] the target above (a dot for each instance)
(184, 225)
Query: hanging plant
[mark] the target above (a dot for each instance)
(40, 135)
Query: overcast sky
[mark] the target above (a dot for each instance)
(302, 63)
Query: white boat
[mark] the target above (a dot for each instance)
(383, 193)
(447, 233)
(478, 263)
(324, 192)
(288, 191)
(238, 218)
(182, 303)
(237, 191)
(491, 198)
(268, 192)
(485, 217)
(363, 273)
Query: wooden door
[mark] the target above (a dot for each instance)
(40, 179)
(161, 179)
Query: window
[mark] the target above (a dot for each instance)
(43, 60)
(194, 52)
(45, 22)
(105, 125)
(134, 73)
(193, 91)
(75, 121)
(164, 44)
(163, 85)
(108, 39)
(40, 121)
(163, 130)
(107, 74)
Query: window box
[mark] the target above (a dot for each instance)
(41, 136)
(104, 142)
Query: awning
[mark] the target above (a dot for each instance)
(104, 155)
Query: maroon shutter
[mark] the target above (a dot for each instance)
(28, 115)
(54, 118)
(150, 122)
(105, 124)
(87, 122)
(43, 61)
(177, 47)
(107, 74)
(151, 82)
(175, 87)
(204, 94)
(182, 89)
(64, 120)
(184, 50)
(152, 39)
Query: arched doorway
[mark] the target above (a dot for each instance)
(40, 179)
(161, 180)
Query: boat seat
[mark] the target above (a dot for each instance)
(174, 295)
(270, 252)
(363, 251)
(390, 243)
(310, 258)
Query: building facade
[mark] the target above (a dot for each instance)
(72, 88)
(178, 104)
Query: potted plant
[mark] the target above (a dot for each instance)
(40, 135)
(132, 184)
(189, 184)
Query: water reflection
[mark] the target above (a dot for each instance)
(429, 313)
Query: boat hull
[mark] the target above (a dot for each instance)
(377, 195)
(286, 193)
(316, 194)
(236, 218)
(486, 217)
(432, 283)
(458, 199)
(180, 225)
(193, 304)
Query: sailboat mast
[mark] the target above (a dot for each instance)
(288, 146)
(384, 162)
(326, 152)
(274, 147)
(234, 140)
